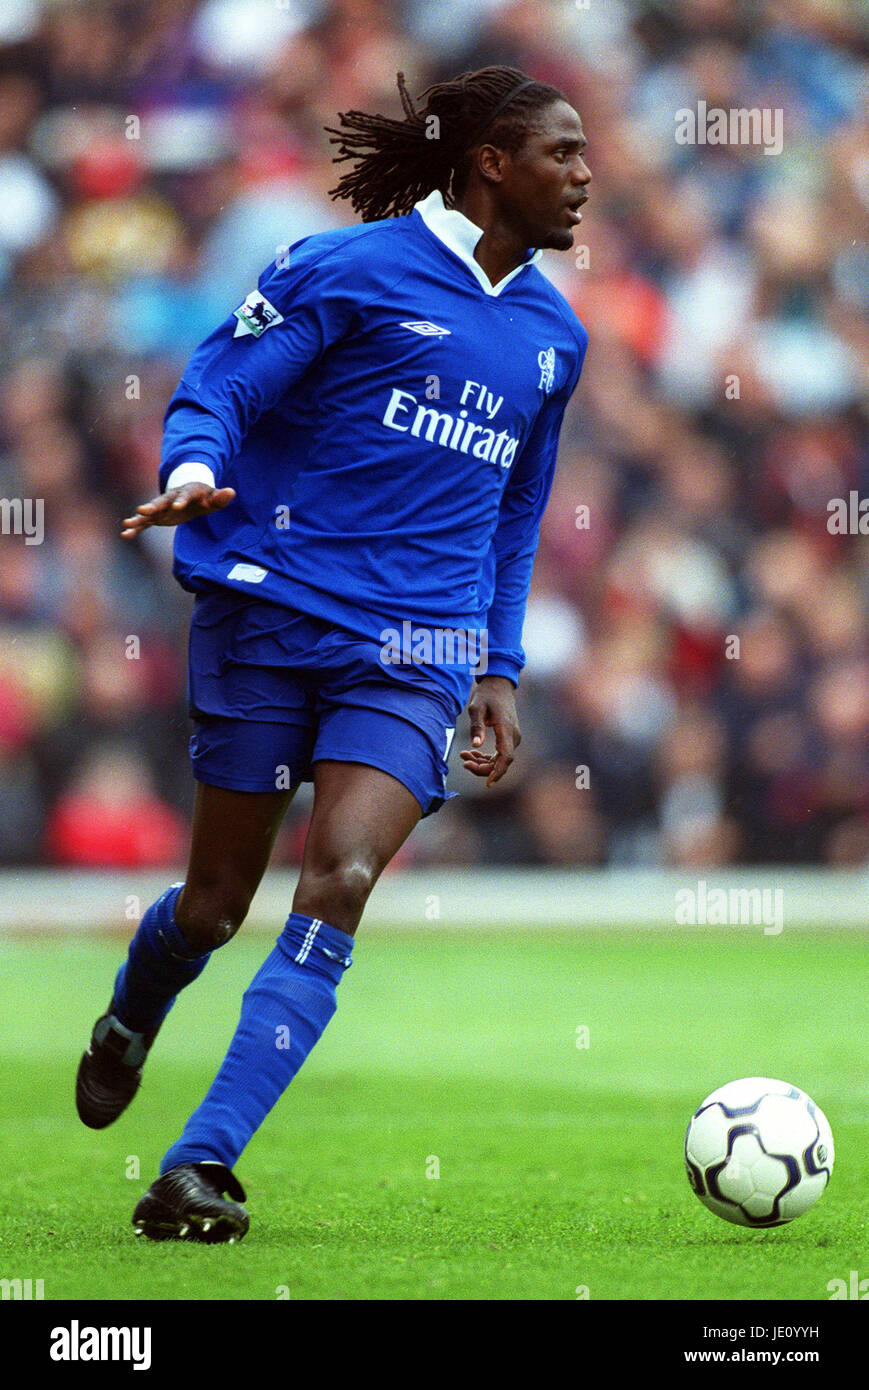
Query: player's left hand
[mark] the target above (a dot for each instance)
(493, 705)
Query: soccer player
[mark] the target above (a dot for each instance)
(357, 461)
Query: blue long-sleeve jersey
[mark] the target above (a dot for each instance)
(391, 431)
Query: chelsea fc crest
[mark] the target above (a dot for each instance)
(546, 363)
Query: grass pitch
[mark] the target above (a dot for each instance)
(560, 1166)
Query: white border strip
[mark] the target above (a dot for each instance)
(461, 898)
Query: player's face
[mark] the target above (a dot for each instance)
(545, 182)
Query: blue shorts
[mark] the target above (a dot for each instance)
(272, 691)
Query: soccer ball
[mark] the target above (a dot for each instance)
(758, 1152)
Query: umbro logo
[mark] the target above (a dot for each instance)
(427, 329)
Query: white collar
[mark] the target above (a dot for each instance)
(460, 235)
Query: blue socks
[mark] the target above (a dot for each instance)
(159, 964)
(283, 1013)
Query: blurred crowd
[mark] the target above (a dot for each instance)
(697, 691)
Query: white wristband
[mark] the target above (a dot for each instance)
(191, 472)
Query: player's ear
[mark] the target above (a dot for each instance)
(490, 162)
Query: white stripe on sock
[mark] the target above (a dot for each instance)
(308, 942)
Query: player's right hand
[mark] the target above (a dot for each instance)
(180, 504)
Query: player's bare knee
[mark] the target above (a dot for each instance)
(208, 918)
(336, 893)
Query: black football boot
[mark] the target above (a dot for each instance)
(187, 1203)
(110, 1071)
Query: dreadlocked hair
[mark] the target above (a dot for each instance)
(399, 162)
